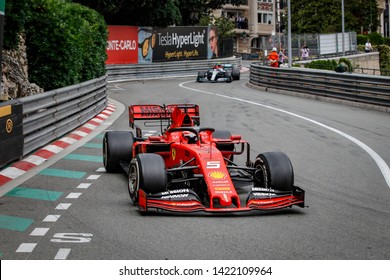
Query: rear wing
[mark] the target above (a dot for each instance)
(161, 112)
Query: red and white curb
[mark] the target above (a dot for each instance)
(19, 168)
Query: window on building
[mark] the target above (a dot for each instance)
(265, 18)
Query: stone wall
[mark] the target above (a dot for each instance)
(14, 66)
(367, 63)
(363, 63)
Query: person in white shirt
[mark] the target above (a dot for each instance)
(367, 46)
(305, 52)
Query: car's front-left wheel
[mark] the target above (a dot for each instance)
(146, 172)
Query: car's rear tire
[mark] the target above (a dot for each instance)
(117, 147)
(146, 171)
(236, 74)
(275, 171)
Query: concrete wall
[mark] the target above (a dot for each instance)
(365, 63)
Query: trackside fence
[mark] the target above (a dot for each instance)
(129, 72)
(52, 114)
(360, 88)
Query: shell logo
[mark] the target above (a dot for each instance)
(217, 175)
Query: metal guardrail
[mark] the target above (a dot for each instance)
(52, 114)
(367, 89)
(129, 72)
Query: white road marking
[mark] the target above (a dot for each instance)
(84, 186)
(34, 159)
(62, 254)
(73, 195)
(26, 247)
(68, 140)
(63, 206)
(80, 133)
(12, 172)
(383, 167)
(93, 177)
(51, 218)
(53, 148)
(101, 169)
(39, 231)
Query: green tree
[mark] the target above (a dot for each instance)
(324, 16)
(66, 43)
(155, 12)
(16, 13)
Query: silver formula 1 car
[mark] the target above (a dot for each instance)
(219, 73)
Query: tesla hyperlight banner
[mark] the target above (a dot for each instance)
(132, 44)
(180, 43)
(122, 45)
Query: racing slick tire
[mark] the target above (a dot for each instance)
(146, 171)
(201, 75)
(276, 171)
(236, 74)
(117, 147)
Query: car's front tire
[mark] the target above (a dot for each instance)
(146, 172)
(274, 171)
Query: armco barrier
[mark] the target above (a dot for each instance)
(364, 89)
(50, 115)
(129, 72)
(11, 131)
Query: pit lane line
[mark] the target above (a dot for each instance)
(383, 167)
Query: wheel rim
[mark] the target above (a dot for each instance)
(261, 173)
(133, 181)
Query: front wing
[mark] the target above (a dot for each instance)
(187, 201)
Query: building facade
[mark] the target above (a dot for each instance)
(260, 19)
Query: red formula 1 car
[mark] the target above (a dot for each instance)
(188, 168)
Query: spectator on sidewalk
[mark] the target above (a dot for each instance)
(305, 52)
(282, 57)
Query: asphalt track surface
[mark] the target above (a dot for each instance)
(340, 156)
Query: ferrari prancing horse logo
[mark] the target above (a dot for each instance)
(173, 154)
(9, 126)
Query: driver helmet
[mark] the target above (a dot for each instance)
(274, 49)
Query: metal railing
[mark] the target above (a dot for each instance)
(129, 72)
(52, 114)
(365, 89)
